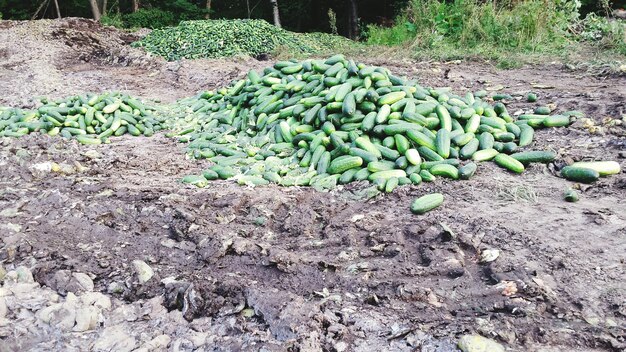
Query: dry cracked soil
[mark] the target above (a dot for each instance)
(113, 253)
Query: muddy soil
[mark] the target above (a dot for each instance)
(230, 268)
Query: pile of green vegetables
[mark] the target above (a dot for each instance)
(226, 38)
(90, 119)
(321, 123)
(335, 121)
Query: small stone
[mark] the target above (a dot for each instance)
(158, 343)
(477, 343)
(341, 346)
(115, 287)
(92, 154)
(3, 308)
(168, 243)
(114, 339)
(86, 318)
(489, 255)
(144, 271)
(80, 283)
(24, 275)
(3, 273)
(96, 299)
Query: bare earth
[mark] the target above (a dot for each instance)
(274, 269)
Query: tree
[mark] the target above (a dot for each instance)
(208, 9)
(135, 5)
(95, 11)
(353, 18)
(276, 13)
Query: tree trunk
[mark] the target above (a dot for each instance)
(95, 10)
(43, 3)
(276, 13)
(56, 5)
(353, 29)
(135, 5)
(208, 9)
(103, 9)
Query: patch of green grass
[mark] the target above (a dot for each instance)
(507, 33)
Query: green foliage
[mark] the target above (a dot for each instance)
(605, 33)
(114, 20)
(149, 18)
(225, 38)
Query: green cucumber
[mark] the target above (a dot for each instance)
(467, 171)
(604, 168)
(534, 156)
(580, 174)
(426, 203)
(509, 163)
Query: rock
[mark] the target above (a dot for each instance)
(3, 308)
(144, 271)
(80, 282)
(86, 318)
(92, 154)
(477, 343)
(3, 273)
(114, 339)
(115, 287)
(182, 345)
(341, 346)
(24, 274)
(489, 255)
(96, 299)
(198, 339)
(158, 343)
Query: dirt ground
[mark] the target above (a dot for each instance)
(232, 268)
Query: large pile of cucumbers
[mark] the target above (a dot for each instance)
(226, 38)
(90, 119)
(324, 122)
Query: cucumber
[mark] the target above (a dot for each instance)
(429, 154)
(415, 178)
(427, 176)
(534, 156)
(467, 171)
(484, 155)
(570, 195)
(368, 146)
(391, 98)
(469, 149)
(339, 166)
(604, 168)
(531, 97)
(376, 166)
(509, 163)
(402, 143)
(445, 170)
(323, 163)
(445, 120)
(542, 110)
(526, 135)
(580, 174)
(391, 184)
(426, 203)
(485, 141)
(421, 139)
(556, 121)
(442, 143)
(196, 180)
(386, 174)
(413, 156)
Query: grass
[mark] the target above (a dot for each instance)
(507, 33)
